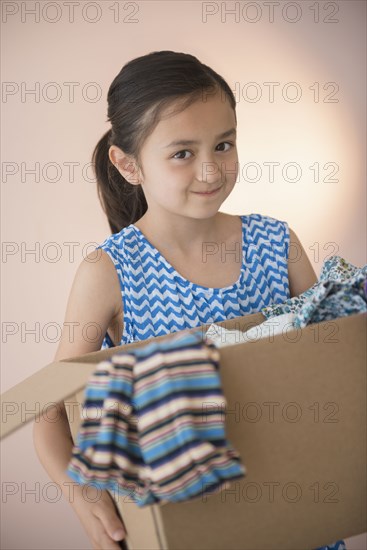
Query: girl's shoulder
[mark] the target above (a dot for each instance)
(258, 224)
(115, 239)
(266, 219)
(253, 216)
(94, 300)
(117, 245)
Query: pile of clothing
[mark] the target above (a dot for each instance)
(340, 291)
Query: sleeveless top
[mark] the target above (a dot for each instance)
(157, 300)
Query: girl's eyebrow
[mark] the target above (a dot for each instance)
(185, 142)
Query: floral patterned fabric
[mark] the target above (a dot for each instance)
(338, 545)
(340, 291)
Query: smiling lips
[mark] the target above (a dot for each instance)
(207, 192)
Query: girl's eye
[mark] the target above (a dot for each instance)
(181, 153)
(225, 143)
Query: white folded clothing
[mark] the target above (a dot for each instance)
(279, 324)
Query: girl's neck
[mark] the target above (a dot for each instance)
(186, 235)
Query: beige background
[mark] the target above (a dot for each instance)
(47, 211)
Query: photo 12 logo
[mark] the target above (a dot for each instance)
(70, 12)
(270, 12)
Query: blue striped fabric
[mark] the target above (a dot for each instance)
(157, 300)
(154, 424)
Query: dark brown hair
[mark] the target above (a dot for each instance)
(144, 87)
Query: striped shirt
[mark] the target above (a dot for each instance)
(157, 300)
(154, 424)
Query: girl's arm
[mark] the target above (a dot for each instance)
(300, 271)
(95, 297)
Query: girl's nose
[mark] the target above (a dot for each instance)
(209, 171)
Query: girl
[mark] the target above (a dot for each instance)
(173, 260)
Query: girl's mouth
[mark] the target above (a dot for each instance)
(207, 194)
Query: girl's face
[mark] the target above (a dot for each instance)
(189, 154)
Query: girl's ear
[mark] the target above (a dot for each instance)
(125, 164)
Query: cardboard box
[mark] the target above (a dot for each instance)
(296, 412)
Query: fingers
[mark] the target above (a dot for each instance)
(110, 521)
(107, 543)
(101, 539)
(101, 522)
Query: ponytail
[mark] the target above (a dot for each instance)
(122, 202)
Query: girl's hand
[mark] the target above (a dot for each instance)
(101, 522)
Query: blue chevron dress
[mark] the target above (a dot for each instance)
(157, 300)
